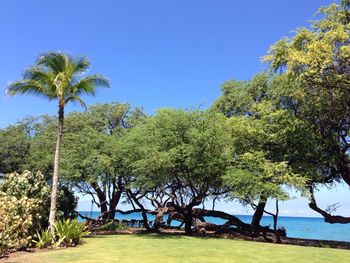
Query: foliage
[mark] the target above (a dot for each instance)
(21, 209)
(91, 155)
(112, 225)
(25, 199)
(254, 176)
(37, 134)
(318, 58)
(28, 145)
(268, 154)
(66, 204)
(58, 76)
(190, 148)
(70, 232)
(180, 155)
(25, 185)
(44, 239)
(14, 146)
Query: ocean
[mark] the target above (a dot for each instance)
(299, 227)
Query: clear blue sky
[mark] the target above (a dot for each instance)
(156, 53)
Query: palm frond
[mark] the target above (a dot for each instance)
(39, 74)
(55, 61)
(58, 75)
(28, 86)
(76, 99)
(89, 84)
(78, 65)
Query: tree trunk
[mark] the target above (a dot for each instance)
(53, 205)
(231, 220)
(158, 221)
(143, 210)
(113, 204)
(188, 220)
(259, 211)
(275, 218)
(103, 208)
(102, 199)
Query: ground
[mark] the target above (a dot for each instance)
(176, 248)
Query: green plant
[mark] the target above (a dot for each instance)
(70, 232)
(21, 209)
(112, 225)
(58, 76)
(44, 239)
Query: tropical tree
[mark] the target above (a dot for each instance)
(273, 148)
(183, 154)
(318, 58)
(14, 146)
(58, 76)
(91, 158)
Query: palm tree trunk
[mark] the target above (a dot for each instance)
(53, 205)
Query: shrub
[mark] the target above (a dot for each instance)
(112, 225)
(70, 232)
(66, 204)
(21, 209)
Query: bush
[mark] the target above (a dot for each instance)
(112, 225)
(70, 232)
(25, 206)
(21, 209)
(66, 204)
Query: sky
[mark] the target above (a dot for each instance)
(157, 53)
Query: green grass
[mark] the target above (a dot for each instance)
(154, 248)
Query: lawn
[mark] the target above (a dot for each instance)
(154, 248)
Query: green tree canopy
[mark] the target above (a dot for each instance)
(184, 153)
(318, 58)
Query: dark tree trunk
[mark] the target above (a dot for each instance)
(186, 211)
(56, 169)
(275, 218)
(259, 212)
(113, 205)
(143, 210)
(188, 220)
(231, 220)
(102, 200)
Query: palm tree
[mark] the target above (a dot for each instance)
(58, 76)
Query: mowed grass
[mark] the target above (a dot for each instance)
(155, 248)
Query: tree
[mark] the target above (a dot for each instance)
(318, 58)
(14, 147)
(253, 177)
(273, 148)
(58, 76)
(92, 157)
(184, 154)
(28, 145)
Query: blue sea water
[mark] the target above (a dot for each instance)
(300, 227)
